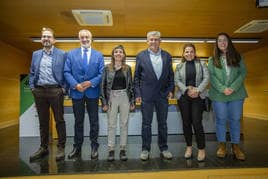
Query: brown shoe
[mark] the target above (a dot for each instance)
(221, 152)
(238, 154)
(40, 153)
(60, 154)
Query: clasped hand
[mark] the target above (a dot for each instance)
(228, 91)
(192, 92)
(81, 87)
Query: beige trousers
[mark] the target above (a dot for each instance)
(119, 103)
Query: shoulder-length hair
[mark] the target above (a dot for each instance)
(233, 57)
(184, 47)
(124, 65)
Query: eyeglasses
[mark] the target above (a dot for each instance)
(46, 36)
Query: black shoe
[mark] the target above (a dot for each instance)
(60, 154)
(40, 153)
(111, 156)
(94, 154)
(123, 155)
(76, 152)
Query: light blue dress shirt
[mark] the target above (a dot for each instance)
(157, 62)
(45, 73)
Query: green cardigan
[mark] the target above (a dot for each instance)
(219, 81)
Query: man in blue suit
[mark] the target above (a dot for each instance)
(154, 83)
(83, 71)
(47, 84)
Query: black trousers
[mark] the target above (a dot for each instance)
(79, 114)
(44, 99)
(191, 113)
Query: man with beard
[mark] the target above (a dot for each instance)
(83, 71)
(47, 84)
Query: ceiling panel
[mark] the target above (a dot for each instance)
(22, 19)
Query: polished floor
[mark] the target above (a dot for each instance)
(15, 152)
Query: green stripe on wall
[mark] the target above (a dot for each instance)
(26, 97)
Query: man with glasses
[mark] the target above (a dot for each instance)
(48, 87)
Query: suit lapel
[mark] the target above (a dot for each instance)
(92, 55)
(164, 63)
(197, 69)
(78, 56)
(54, 58)
(149, 64)
(39, 58)
(224, 73)
(91, 60)
(182, 70)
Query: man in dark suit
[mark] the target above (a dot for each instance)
(48, 87)
(83, 71)
(154, 83)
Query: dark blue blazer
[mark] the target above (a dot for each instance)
(146, 84)
(58, 61)
(75, 73)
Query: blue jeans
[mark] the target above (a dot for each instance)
(147, 109)
(228, 111)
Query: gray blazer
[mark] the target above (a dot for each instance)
(202, 78)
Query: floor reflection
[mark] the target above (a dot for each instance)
(15, 157)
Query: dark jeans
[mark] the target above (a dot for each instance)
(191, 113)
(79, 114)
(147, 109)
(45, 98)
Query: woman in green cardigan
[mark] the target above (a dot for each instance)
(227, 74)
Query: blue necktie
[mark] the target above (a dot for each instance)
(85, 58)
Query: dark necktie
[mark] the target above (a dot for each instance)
(85, 55)
(85, 63)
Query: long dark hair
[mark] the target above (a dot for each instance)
(184, 47)
(124, 66)
(233, 57)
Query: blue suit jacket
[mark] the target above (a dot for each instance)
(58, 61)
(75, 73)
(146, 84)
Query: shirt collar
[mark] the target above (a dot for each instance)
(156, 54)
(50, 51)
(88, 49)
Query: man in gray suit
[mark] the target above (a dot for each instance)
(48, 87)
(154, 83)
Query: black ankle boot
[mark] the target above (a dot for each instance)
(111, 156)
(76, 152)
(123, 155)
